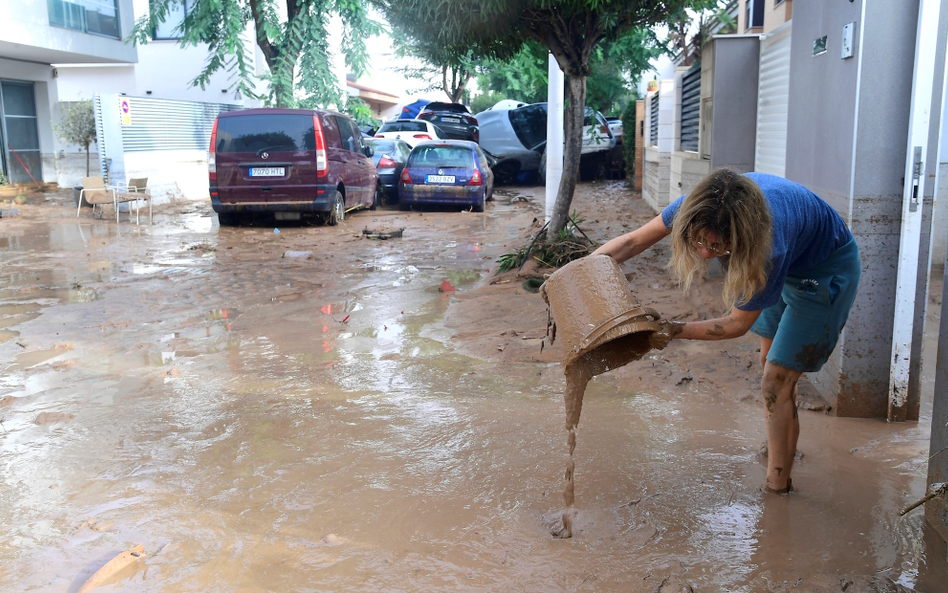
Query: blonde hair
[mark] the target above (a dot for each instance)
(732, 206)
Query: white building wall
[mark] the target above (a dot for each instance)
(27, 35)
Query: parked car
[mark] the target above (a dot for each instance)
(390, 157)
(412, 131)
(517, 138)
(615, 125)
(293, 163)
(453, 118)
(451, 172)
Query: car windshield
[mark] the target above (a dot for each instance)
(379, 145)
(256, 133)
(402, 126)
(442, 157)
(529, 124)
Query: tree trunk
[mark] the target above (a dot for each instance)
(573, 124)
(87, 160)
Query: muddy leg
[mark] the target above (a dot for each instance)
(779, 389)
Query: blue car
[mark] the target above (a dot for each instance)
(446, 173)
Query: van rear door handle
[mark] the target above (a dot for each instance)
(266, 188)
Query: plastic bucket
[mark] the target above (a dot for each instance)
(599, 321)
(593, 308)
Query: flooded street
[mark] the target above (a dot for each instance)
(313, 410)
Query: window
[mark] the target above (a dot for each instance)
(89, 16)
(755, 14)
(529, 124)
(174, 19)
(346, 134)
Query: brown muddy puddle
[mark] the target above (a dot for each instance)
(283, 447)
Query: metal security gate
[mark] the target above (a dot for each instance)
(161, 124)
(690, 108)
(770, 154)
(653, 121)
(22, 162)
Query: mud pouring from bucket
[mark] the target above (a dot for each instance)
(602, 326)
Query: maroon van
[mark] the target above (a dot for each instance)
(291, 163)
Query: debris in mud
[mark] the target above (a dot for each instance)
(52, 417)
(552, 252)
(123, 560)
(298, 254)
(446, 286)
(382, 235)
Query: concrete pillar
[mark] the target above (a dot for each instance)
(936, 510)
(847, 130)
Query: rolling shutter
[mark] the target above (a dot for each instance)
(770, 154)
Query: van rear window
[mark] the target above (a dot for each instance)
(254, 133)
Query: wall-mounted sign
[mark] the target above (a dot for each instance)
(126, 111)
(819, 46)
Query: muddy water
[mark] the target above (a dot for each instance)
(276, 447)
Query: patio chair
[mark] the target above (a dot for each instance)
(136, 191)
(95, 192)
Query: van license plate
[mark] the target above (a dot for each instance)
(450, 120)
(440, 179)
(267, 171)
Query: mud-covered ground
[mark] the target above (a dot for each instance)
(314, 410)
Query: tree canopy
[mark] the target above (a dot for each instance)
(570, 29)
(293, 36)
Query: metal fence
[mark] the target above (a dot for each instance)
(690, 108)
(162, 124)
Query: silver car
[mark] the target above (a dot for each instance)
(517, 139)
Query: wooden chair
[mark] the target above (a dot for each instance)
(136, 191)
(95, 192)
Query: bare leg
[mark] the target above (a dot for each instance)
(779, 389)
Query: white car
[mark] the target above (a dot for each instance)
(410, 131)
(615, 124)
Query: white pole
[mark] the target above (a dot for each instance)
(912, 199)
(554, 135)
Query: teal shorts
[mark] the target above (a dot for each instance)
(813, 308)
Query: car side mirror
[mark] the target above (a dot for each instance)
(369, 151)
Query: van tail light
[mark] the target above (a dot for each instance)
(322, 164)
(475, 178)
(386, 163)
(604, 129)
(406, 178)
(379, 136)
(212, 155)
(423, 136)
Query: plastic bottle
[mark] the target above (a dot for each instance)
(9, 213)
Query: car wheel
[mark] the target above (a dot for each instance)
(490, 195)
(588, 168)
(478, 207)
(227, 218)
(338, 212)
(505, 173)
(379, 198)
(403, 205)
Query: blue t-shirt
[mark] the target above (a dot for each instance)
(806, 230)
